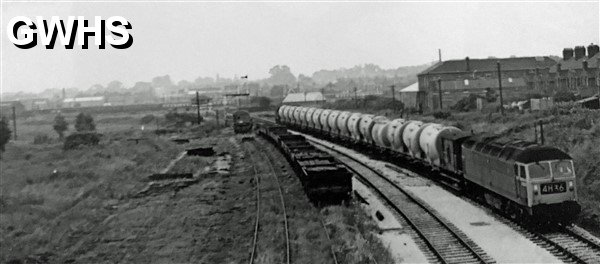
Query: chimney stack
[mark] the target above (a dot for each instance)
(592, 50)
(440, 55)
(468, 64)
(567, 53)
(579, 52)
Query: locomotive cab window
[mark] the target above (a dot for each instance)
(539, 170)
(522, 171)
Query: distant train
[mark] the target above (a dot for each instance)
(523, 179)
(242, 122)
(324, 178)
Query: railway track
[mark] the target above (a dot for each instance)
(271, 159)
(257, 228)
(444, 240)
(568, 244)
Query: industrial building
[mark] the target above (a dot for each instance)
(459, 78)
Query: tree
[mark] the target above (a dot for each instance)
(60, 125)
(84, 122)
(281, 74)
(262, 101)
(4, 133)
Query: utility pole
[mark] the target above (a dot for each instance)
(542, 132)
(355, 98)
(439, 81)
(393, 86)
(198, 106)
(14, 121)
(500, 88)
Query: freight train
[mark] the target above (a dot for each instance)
(325, 180)
(523, 179)
(242, 122)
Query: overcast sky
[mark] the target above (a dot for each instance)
(187, 40)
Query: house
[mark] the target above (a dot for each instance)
(577, 71)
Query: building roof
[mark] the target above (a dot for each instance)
(411, 88)
(574, 64)
(84, 99)
(304, 97)
(487, 65)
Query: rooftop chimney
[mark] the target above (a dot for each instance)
(468, 64)
(579, 52)
(567, 53)
(592, 50)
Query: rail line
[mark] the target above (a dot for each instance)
(281, 199)
(333, 253)
(442, 238)
(573, 245)
(567, 243)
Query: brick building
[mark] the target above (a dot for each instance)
(577, 71)
(460, 78)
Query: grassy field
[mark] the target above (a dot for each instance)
(89, 205)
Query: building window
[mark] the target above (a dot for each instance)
(466, 82)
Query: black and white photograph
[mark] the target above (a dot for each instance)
(301, 131)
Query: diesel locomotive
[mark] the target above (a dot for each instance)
(523, 179)
(242, 122)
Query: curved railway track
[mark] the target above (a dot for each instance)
(257, 176)
(270, 157)
(443, 239)
(569, 244)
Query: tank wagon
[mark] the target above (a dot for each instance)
(523, 179)
(242, 122)
(324, 179)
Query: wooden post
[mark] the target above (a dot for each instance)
(355, 98)
(500, 88)
(393, 97)
(542, 132)
(198, 106)
(440, 92)
(14, 116)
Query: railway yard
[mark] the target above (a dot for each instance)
(241, 198)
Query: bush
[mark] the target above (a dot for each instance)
(466, 104)
(77, 139)
(147, 119)
(181, 118)
(442, 115)
(564, 96)
(4, 133)
(60, 125)
(41, 139)
(84, 122)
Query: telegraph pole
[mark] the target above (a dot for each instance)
(393, 86)
(198, 106)
(14, 116)
(500, 88)
(355, 98)
(439, 81)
